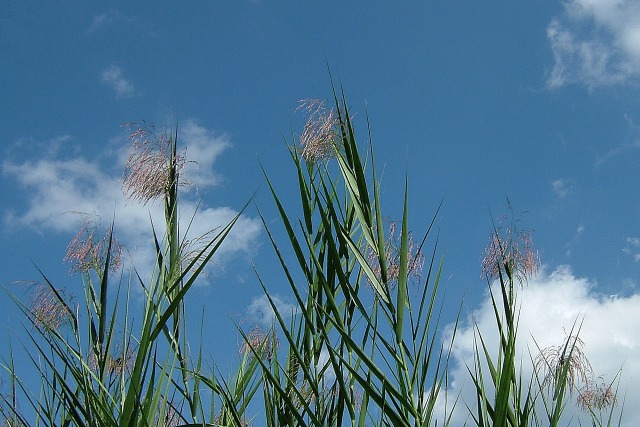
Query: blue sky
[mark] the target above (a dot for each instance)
(476, 102)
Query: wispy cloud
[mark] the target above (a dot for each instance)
(616, 151)
(550, 304)
(114, 78)
(595, 43)
(55, 185)
(116, 19)
(562, 187)
(633, 248)
(102, 20)
(575, 240)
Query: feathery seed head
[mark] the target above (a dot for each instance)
(263, 343)
(512, 252)
(319, 139)
(415, 257)
(88, 250)
(568, 357)
(596, 396)
(153, 166)
(47, 310)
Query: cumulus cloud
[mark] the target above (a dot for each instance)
(199, 148)
(59, 183)
(550, 304)
(595, 43)
(113, 77)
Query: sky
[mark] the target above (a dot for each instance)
(481, 105)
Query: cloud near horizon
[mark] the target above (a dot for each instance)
(595, 43)
(62, 182)
(550, 305)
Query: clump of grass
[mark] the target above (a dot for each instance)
(504, 396)
(565, 368)
(102, 371)
(361, 348)
(353, 354)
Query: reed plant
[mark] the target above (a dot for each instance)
(96, 369)
(361, 347)
(505, 396)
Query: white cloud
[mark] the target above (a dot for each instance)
(203, 147)
(617, 151)
(101, 20)
(261, 311)
(551, 303)
(56, 185)
(632, 248)
(115, 20)
(575, 240)
(562, 187)
(114, 77)
(595, 43)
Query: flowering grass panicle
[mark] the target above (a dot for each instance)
(172, 417)
(263, 343)
(150, 164)
(48, 311)
(319, 139)
(512, 252)
(118, 364)
(304, 394)
(596, 396)
(592, 395)
(88, 250)
(12, 422)
(122, 363)
(221, 422)
(191, 252)
(569, 356)
(392, 254)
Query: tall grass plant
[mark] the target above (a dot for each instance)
(362, 346)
